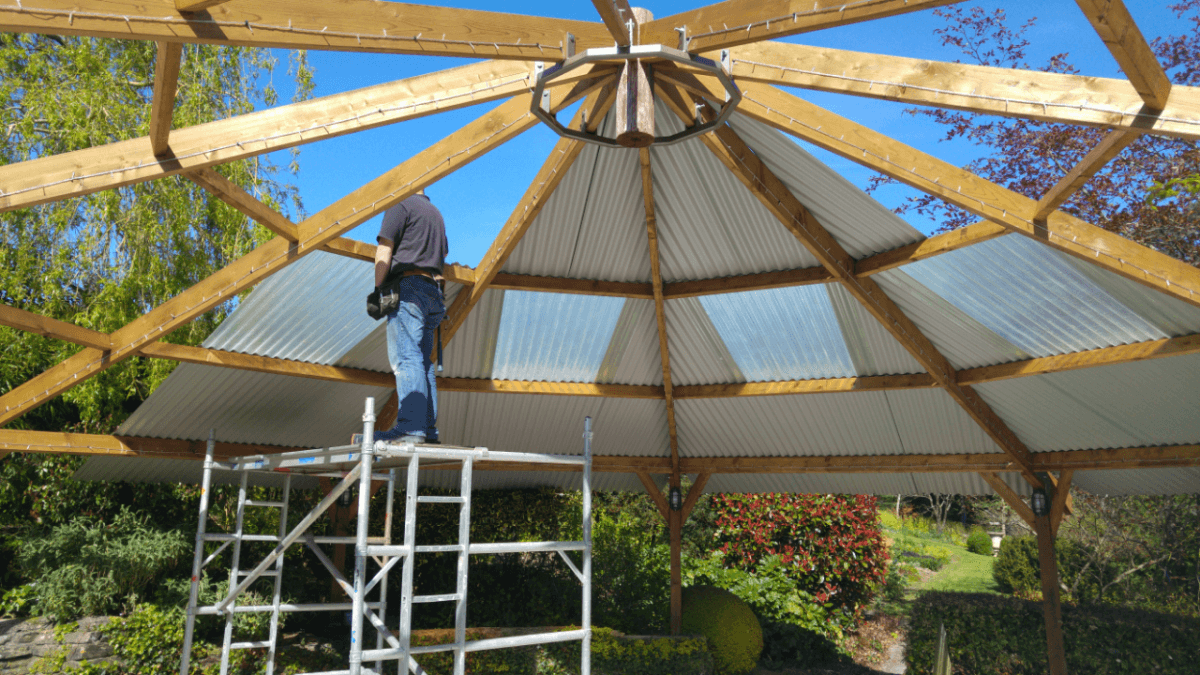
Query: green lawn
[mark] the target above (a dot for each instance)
(965, 573)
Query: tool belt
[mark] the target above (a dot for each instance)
(386, 298)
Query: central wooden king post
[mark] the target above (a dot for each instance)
(635, 95)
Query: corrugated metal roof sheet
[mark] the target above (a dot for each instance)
(554, 336)
(857, 423)
(698, 355)
(709, 224)
(861, 483)
(872, 349)
(472, 352)
(633, 355)
(1029, 296)
(778, 334)
(1170, 315)
(311, 311)
(250, 407)
(1126, 405)
(1158, 481)
(964, 342)
(154, 470)
(930, 422)
(859, 223)
(594, 224)
(553, 424)
(916, 422)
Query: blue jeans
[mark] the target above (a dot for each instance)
(410, 333)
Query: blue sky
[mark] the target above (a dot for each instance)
(477, 199)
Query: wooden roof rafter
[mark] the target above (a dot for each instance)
(772, 193)
(439, 160)
(660, 311)
(1049, 97)
(341, 25)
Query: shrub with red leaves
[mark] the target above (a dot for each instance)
(831, 545)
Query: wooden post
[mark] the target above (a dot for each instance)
(1050, 600)
(635, 97)
(675, 521)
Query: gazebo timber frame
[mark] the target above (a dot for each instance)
(1145, 103)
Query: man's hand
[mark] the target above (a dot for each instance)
(374, 310)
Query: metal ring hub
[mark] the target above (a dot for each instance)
(541, 97)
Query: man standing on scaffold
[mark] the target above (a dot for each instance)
(409, 292)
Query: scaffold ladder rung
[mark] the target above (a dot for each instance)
(448, 597)
(440, 500)
(269, 505)
(449, 548)
(259, 644)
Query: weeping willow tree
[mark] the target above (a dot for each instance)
(102, 260)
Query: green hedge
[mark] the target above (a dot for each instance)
(517, 661)
(996, 635)
(614, 653)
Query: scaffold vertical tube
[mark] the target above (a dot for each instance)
(383, 583)
(585, 666)
(233, 571)
(276, 600)
(360, 542)
(464, 540)
(197, 563)
(410, 544)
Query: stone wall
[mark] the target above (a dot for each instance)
(25, 642)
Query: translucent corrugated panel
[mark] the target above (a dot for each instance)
(781, 333)
(1026, 293)
(554, 336)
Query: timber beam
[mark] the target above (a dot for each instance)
(965, 190)
(162, 107)
(1156, 349)
(444, 157)
(20, 440)
(736, 22)
(338, 25)
(1047, 97)
(1124, 39)
(1109, 147)
(778, 199)
(616, 14)
(249, 205)
(553, 170)
(104, 167)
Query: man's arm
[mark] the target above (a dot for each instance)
(383, 260)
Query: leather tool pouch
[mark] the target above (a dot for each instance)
(383, 300)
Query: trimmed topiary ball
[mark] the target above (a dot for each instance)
(729, 624)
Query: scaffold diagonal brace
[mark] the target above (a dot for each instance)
(292, 536)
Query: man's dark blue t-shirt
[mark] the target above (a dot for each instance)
(416, 228)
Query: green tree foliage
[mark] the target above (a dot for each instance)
(87, 568)
(102, 260)
(1130, 196)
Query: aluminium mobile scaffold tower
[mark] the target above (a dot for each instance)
(359, 465)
